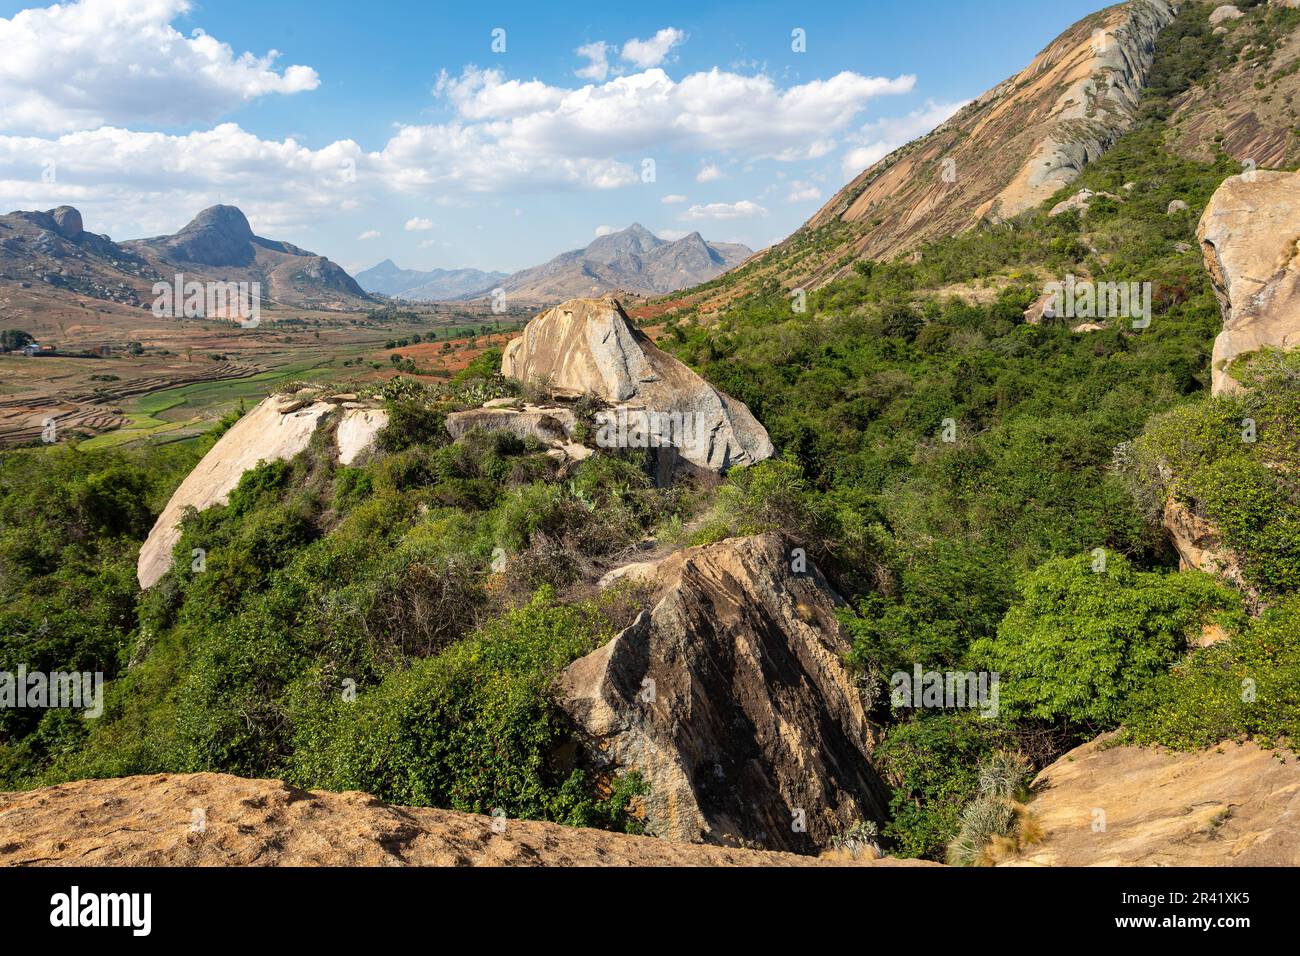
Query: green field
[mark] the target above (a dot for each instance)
(191, 409)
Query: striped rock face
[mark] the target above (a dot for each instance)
(590, 347)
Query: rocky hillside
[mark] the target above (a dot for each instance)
(219, 243)
(48, 257)
(213, 819)
(1226, 85)
(51, 254)
(1005, 152)
(633, 260)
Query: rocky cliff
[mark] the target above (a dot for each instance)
(1250, 234)
(732, 700)
(590, 347)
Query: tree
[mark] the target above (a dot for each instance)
(11, 340)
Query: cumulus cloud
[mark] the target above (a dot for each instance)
(745, 209)
(502, 135)
(597, 56)
(648, 112)
(95, 62)
(708, 174)
(418, 225)
(673, 198)
(369, 234)
(876, 140)
(801, 191)
(605, 230)
(652, 52)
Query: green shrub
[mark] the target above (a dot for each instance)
(1079, 642)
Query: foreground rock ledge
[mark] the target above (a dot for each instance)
(1228, 805)
(732, 700)
(149, 821)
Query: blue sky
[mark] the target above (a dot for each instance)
(394, 130)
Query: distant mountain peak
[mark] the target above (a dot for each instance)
(225, 220)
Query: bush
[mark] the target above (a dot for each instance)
(1080, 642)
(471, 728)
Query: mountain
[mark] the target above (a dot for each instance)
(388, 278)
(48, 259)
(219, 243)
(49, 255)
(633, 260)
(1018, 143)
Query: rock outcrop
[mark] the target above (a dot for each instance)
(731, 699)
(1250, 235)
(212, 819)
(590, 347)
(67, 221)
(552, 425)
(358, 429)
(277, 429)
(1200, 547)
(1229, 805)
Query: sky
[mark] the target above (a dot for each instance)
(482, 135)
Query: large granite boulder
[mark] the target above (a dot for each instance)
(590, 347)
(277, 429)
(1249, 236)
(731, 699)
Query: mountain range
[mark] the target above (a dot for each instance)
(632, 260)
(51, 254)
(388, 278)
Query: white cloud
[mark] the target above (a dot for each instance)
(94, 62)
(745, 209)
(801, 191)
(673, 198)
(369, 234)
(478, 94)
(671, 235)
(597, 67)
(419, 225)
(878, 139)
(648, 112)
(708, 174)
(605, 230)
(648, 53)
